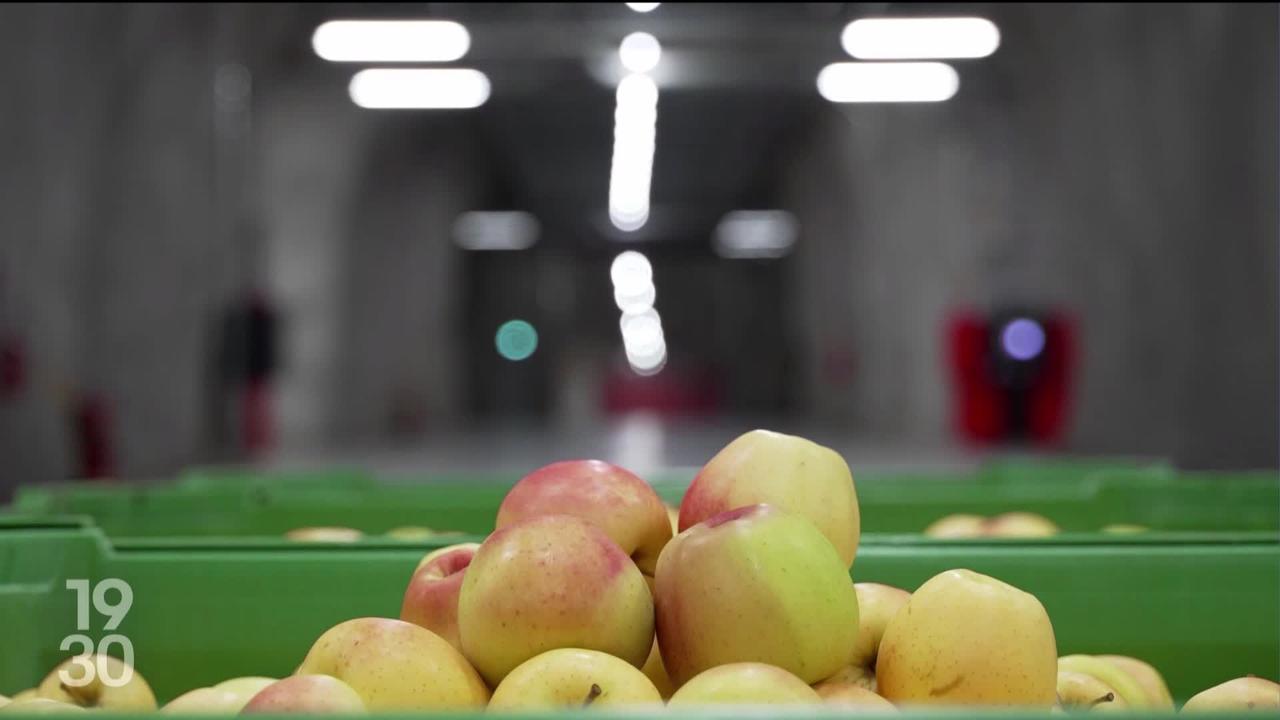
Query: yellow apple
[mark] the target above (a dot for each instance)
(431, 599)
(957, 526)
(1243, 693)
(1020, 525)
(619, 502)
(673, 514)
(570, 677)
(311, 694)
(877, 604)
(1125, 685)
(657, 674)
(395, 665)
(132, 696)
(1124, 529)
(553, 581)
(968, 639)
(412, 532)
(853, 696)
(39, 706)
(325, 534)
(781, 470)
(755, 584)
(746, 683)
(1150, 680)
(1079, 691)
(226, 698)
(28, 694)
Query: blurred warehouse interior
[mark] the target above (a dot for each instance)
(212, 254)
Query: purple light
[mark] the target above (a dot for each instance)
(1022, 339)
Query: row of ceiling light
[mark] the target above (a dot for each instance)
(869, 39)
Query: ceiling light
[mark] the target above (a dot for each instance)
(419, 88)
(391, 41)
(854, 82)
(916, 38)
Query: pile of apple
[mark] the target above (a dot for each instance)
(582, 597)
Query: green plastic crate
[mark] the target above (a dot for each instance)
(1181, 504)
(1201, 613)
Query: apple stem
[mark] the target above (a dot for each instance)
(592, 694)
(1105, 698)
(79, 694)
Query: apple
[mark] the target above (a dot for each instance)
(395, 665)
(849, 695)
(226, 698)
(745, 683)
(431, 600)
(1078, 691)
(246, 687)
(1021, 525)
(673, 515)
(957, 526)
(1243, 693)
(755, 584)
(4, 700)
(877, 604)
(1124, 529)
(657, 674)
(968, 639)
(414, 532)
(1126, 686)
(306, 694)
(571, 677)
(789, 472)
(1148, 678)
(325, 534)
(132, 696)
(39, 706)
(552, 581)
(623, 505)
(28, 694)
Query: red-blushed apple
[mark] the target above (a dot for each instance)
(755, 584)
(394, 665)
(431, 600)
(622, 504)
(311, 694)
(789, 472)
(746, 683)
(549, 582)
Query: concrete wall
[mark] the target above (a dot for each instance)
(1117, 160)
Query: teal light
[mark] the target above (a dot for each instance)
(516, 340)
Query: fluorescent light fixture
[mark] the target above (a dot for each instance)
(643, 7)
(634, 136)
(755, 234)
(419, 88)
(855, 82)
(920, 38)
(391, 41)
(640, 52)
(495, 230)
